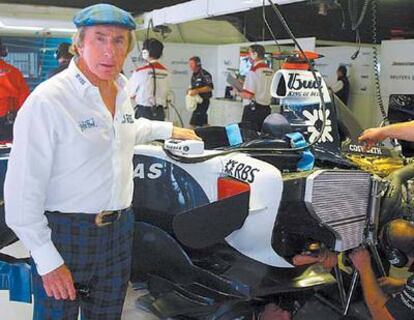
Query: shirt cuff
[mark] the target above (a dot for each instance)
(46, 258)
(161, 130)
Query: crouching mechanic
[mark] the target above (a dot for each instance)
(69, 182)
(397, 241)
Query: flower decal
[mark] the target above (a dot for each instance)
(314, 122)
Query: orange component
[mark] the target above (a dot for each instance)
(228, 187)
(13, 88)
(309, 54)
(295, 66)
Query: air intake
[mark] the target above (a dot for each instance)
(339, 200)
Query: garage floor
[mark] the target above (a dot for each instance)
(313, 310)
(23, 311)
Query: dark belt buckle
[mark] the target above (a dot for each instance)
(82, 290)
(101, 218)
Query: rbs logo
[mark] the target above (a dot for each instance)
(296, 83)
(240, 171)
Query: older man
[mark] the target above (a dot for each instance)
(70, 177)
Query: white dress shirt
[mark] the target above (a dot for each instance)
(141, 85)
(258, 81)
(338, 86)
(70, 155)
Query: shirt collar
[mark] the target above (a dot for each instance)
(258, 62)
(83, 84)
(197, 72)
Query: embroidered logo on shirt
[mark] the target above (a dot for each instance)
(87, 124)
(80, 79)
(127, 118)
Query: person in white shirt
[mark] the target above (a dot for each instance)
(69, 183)
(149, 85)
(256, 90)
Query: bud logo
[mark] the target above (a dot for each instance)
(296, 83)
(314, 122)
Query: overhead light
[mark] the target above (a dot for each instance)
(23, 28)
(63, 30)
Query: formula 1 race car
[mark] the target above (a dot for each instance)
(216, 233)
(217, 228)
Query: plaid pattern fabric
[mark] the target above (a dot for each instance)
(104, 14)
(98, 257)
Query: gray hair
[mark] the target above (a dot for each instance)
(79, 36)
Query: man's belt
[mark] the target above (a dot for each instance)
(101, 219)
(260, 105)
(107, 217)
(157, 106)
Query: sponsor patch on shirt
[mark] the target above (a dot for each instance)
(127, 118)
(80, 79)
(87, 124)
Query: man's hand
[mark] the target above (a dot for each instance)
(184, 134)
(361, 259)
(327, 258)
(192, 92)
(273, 311)
(372, 137)
(392, 285)
(59, 284)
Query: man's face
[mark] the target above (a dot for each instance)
(252, 55)
(104, 50)
(193, 65)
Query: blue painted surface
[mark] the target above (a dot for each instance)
(174, 191)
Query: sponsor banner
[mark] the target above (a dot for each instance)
(298, 85)
(397, 67)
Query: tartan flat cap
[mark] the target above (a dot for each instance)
(104, 14)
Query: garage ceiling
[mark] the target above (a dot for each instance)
(394, 18)
(135, 7)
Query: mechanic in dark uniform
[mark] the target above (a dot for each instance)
(397, 241)
(201, 84)
(342, 86)
(63, 56)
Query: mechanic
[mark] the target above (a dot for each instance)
(13, 92)
(342, 86)
(149, 85)
(397, 240)
(400, 131)
(202, 85)
(256, 89)
(69, 183)
(63, 56)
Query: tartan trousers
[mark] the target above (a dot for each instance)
(98, 257)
